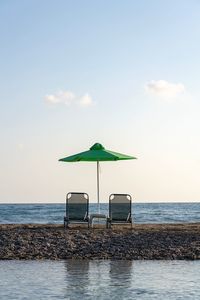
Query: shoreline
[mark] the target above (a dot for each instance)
(144, 241)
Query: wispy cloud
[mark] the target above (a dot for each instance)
(165, 89)
(68, 98)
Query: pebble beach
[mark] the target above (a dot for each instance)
(143, 242)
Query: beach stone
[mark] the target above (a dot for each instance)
(144, 241)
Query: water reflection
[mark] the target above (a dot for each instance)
(99, 278)
(102, 280)
(77, 277)
(120, 278)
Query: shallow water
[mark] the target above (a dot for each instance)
(142, 212)
(74, 279)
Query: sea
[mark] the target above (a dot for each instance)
(141, 212)
(100, 279)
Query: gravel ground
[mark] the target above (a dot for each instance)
(144, 241)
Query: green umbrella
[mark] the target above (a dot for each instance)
(97, 153)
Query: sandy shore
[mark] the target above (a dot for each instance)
(144, 241)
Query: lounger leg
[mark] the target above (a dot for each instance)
(131, 223)
(65, 223)
(108, 224)
(91, 222)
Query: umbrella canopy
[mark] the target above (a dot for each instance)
(97, 153)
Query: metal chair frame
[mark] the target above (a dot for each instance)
(119, 222)
(67, 219)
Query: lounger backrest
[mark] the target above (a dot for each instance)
(77, 205)
(119, 207)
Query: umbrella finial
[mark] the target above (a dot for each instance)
(97, 146)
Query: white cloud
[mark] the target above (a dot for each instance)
(165, 89)
(86, 100)
(52, 99)
(68, 98)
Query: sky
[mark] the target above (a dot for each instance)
(121, 73)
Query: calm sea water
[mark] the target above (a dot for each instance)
(142, 212)
(73, 279)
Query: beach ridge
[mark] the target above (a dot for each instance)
(144, 241)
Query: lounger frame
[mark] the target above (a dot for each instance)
(69, 220)
(110, 221)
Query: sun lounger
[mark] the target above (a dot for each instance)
(77, 209)
(119, 209)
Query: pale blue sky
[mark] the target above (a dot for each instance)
(122, 73)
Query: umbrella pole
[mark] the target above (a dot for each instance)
(98, 187)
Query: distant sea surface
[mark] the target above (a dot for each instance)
(142, 213)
